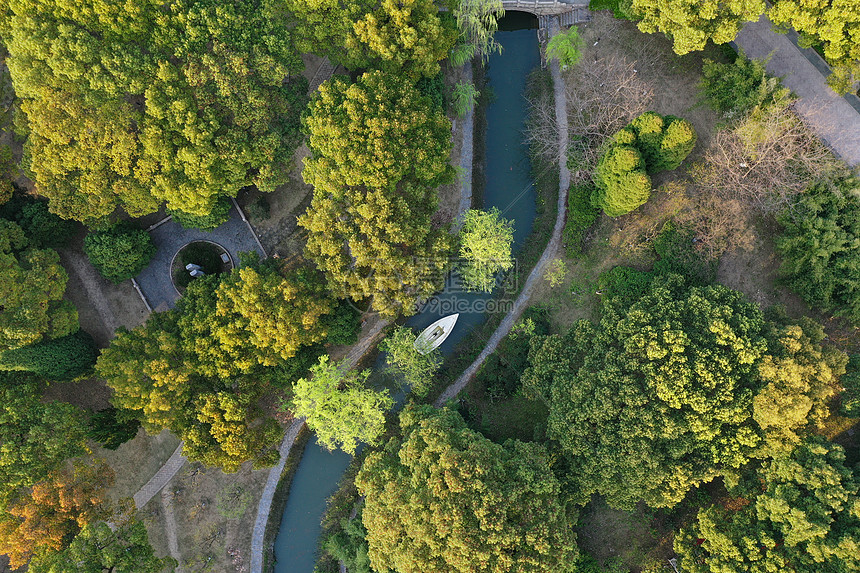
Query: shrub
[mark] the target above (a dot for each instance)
(465, 96)
(215, 218)
(675, 247)
(259, 209)
(42, 228)
(850, 405)
(621, 183)
(566, 47)
(581, 215)
(112, 427)
(735, 89)
(63, 358)
(623, 283)
(500, 373)
(434, 88)
(650, 143)
(120, 252)
(819, 248)
(621, 9)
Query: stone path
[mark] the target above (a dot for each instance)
(161, 477)
(467, 150)
(549, 253)
(831, 116)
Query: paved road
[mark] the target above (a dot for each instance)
(549, 253)
(154, 280)
(832, 118)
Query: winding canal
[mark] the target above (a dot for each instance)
(509, 188)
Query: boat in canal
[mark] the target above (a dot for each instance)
(435, 334)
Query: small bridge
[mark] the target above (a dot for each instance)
(546, 7)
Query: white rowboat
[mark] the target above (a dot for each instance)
(435, 334)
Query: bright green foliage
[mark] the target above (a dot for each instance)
(37, 437)
(112, 427)
(221, 433)
(621, 182)
(119, 253)
(803, 516)
(444, 499)
(215, 218)
(691, 23)
(416, 369)
(400, 37)
(99, 549)
(835, 25)
(800, 376)
(477, 21)
(819, 247)
(581, 215)
(736, 89)
(380, 149)
(339, 407)
(465, 96)
(566, 47)
(651, 143)
(486, 239)
(664, 141)
(675, 389)
(621, 9)
(63, 358)
(130, 104)
(32, 284)
(850, 398)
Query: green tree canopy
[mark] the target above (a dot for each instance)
(63, 358)
(477, 21)
(401, 37)
(835, 25)
(32, 284)
(443, 498)
(819, 243)
(403, 359)
(379, 150)
(801, 514)
(322, 26)
(486, 239)
(36, 437)
(676, 388)
(339, 407)
(98, 548)
(691, 23)
(119, 253)
(131, 104)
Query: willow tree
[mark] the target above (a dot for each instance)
(477, 21)
(379, 151)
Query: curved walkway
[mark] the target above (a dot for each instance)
(549, 253)
(164, 474)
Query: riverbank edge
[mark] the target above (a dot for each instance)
(546, 176)
(281, 496)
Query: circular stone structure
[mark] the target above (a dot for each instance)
(211, 257)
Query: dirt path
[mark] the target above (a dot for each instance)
(549, 253)
(170, 525)
(81, 269)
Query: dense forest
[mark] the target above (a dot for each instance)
(642, 379)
